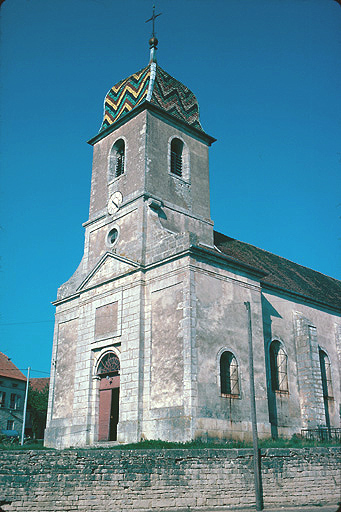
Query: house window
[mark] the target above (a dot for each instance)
(10, 424)
(279, 367)
(117, 159)
(229, 378)
(14, 402)
(2, 398)
(326, 375)
(176, 163)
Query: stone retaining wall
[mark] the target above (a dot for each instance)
(144, 480)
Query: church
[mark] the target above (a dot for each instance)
(152, 330)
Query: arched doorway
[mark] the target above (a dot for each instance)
(108, 371)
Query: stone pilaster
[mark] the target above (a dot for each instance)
(308, 373)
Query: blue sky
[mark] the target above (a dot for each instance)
(267, 75)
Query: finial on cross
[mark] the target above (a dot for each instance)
(153, 20)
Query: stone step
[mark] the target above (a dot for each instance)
(106, 444)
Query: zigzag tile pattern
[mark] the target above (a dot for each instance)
(125, 96)
(168, 93)
(174, 97)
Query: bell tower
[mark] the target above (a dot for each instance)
(149, 205)
(150, 169)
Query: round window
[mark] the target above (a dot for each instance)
(112, 236)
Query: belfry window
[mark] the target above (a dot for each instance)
(117, 159)
(176, 163)
(278, 367)
(326, 375)
(229, 377)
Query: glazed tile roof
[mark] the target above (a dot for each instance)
(155, 85)
(283, 274)
(8, 369)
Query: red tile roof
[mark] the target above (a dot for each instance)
(8, 369)
(283, 274)
(39, 383)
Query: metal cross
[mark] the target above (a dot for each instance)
(153, 20)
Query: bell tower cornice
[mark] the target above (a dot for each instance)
(198, 134)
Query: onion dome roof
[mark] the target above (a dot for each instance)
(156, 86)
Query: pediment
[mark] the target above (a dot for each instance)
(109, 267)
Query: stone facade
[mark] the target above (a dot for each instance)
(145, 480)
(155, 292)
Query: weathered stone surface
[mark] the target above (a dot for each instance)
(167, 371)
(65, 369)
(36, 481)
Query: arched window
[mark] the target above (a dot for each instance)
(108, 365)
(117, 159)
(176, 163)
(229, 378)
(279, 367)
(326, 375)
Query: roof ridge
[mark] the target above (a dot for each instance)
(7, 367)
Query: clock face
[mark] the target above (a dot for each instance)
(114, 202)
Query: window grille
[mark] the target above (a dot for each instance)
(326, 375)
(176, 164)
(109, 364)
(120, 163)
(279, 367)
(229, 377)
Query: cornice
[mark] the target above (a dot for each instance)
(160, 113)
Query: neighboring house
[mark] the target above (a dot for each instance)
(152, 330)
(39, 384)
(12, 395)
(37, 406)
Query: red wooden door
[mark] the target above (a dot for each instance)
(108, 408)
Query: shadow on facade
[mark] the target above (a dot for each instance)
(269, 311)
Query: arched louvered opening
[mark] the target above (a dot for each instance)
(117, 160)
(176, 160)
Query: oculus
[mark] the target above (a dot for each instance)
(112, 236)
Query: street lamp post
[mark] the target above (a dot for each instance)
(25, 407)
(256, 458)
